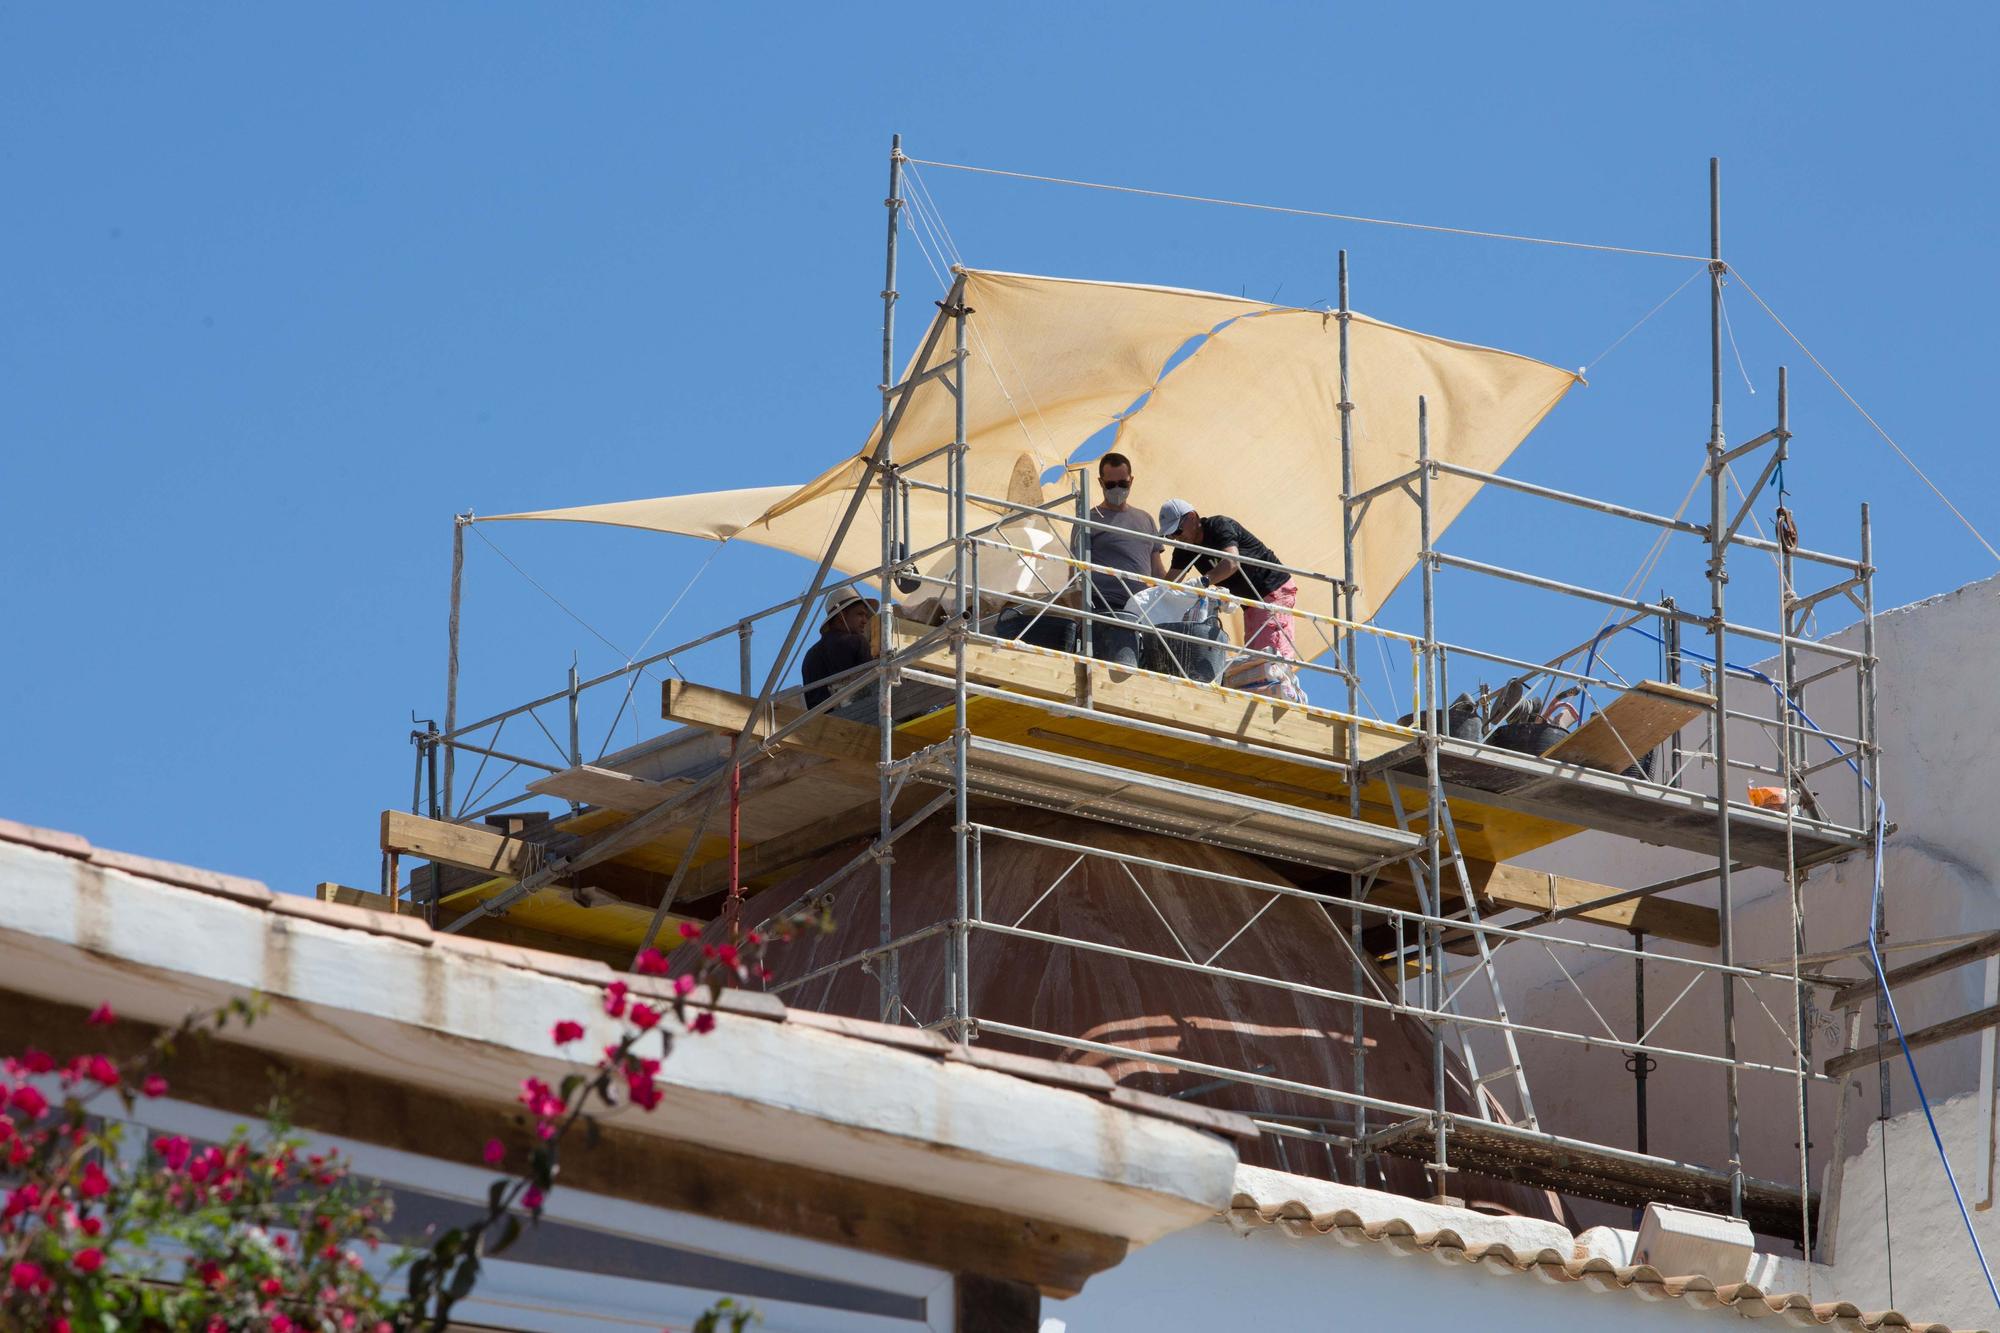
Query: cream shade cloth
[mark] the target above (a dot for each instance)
(1249, 426)
(1246, 424)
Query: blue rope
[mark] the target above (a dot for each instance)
(1875, 961)
(1882, 980)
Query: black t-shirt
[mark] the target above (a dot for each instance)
(836, 651)
(1219, 531)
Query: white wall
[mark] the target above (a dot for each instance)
(1938, 716)
(1209, 1277)
(1937, 1274)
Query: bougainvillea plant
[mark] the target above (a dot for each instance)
(99, 1234)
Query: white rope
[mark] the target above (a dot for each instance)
(1619, 340)
(1730, 329)
(551, 596)
(1312, 212)
(1856, 405)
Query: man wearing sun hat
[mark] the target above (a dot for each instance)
(842, 646)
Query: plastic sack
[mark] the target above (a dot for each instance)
(1164, 605)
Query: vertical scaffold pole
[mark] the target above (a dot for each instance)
(1433, 955)
(888, 964)
(1872, 814)
(1349, 661)
(1718, 575)
(1795, 794)
(458, 522)
(960, 934)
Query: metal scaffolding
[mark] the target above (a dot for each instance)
(1398, 958)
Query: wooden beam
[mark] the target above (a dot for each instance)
(1506, 886)
(1963, 1025)
(719, 710)
(1225, 714)
(454, 844)
(859, 1211)
(498, 930)
(1972, 952)
(588, 784)
(1624, 730)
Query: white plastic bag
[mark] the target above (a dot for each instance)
(1161, 605)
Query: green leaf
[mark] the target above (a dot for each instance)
(509, 1228)
(463, 1279)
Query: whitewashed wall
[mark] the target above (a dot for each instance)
(1209, 1277)
(1939, 710)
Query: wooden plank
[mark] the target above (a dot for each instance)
(454, 844)
(1635, 722)
(719, 710)
(1225, 714)
(1963, 1025)
(607, 788)
(500, 931)
(762, 861)
(1863, 991)
(1505, 887)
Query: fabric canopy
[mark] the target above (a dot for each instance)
(1246, 423)
(1249, 426)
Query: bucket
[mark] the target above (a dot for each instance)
(1177, 657)
(1527, 737)
(1045, 630)
(1460, 721)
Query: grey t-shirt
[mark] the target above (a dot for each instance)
(1131, 549)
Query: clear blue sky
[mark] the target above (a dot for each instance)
(285, 287)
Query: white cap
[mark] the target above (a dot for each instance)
(1171, 514)
(841, 598)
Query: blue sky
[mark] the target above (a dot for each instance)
(285, 287)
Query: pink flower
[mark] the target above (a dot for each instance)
(154, 1086)
(567, 1032)
(28, 1277)
(101, 1017)
(173, 1151)
(614, 999)
(28, 1098)
(280, 1324)
(270, 1286)
(22, 1200)
(532, 1200)
(683, 983)
(495, 1153)
(644, 1017)
(689, 930)
(37, 1062)
(88, 1261)
(91, 1226)
(703, 1022)
(99, 1069)
(651, 962)
(94, 1185)
(727, 953)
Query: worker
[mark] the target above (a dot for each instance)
(843, 645)
(1268, 594)
(1133, 549)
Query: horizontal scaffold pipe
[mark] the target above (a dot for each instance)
(1393, 914)
(1046, 510)
(1338, 767)
(1390, 1006)
(1565, 497)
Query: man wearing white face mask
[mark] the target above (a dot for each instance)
(1134, 549)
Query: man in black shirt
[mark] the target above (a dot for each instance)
(843, 645)
(1268, 594)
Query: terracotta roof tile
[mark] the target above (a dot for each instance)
(1594, 1272)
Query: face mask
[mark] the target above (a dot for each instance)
(1116, 494)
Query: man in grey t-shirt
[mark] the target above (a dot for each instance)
(1134, 549)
